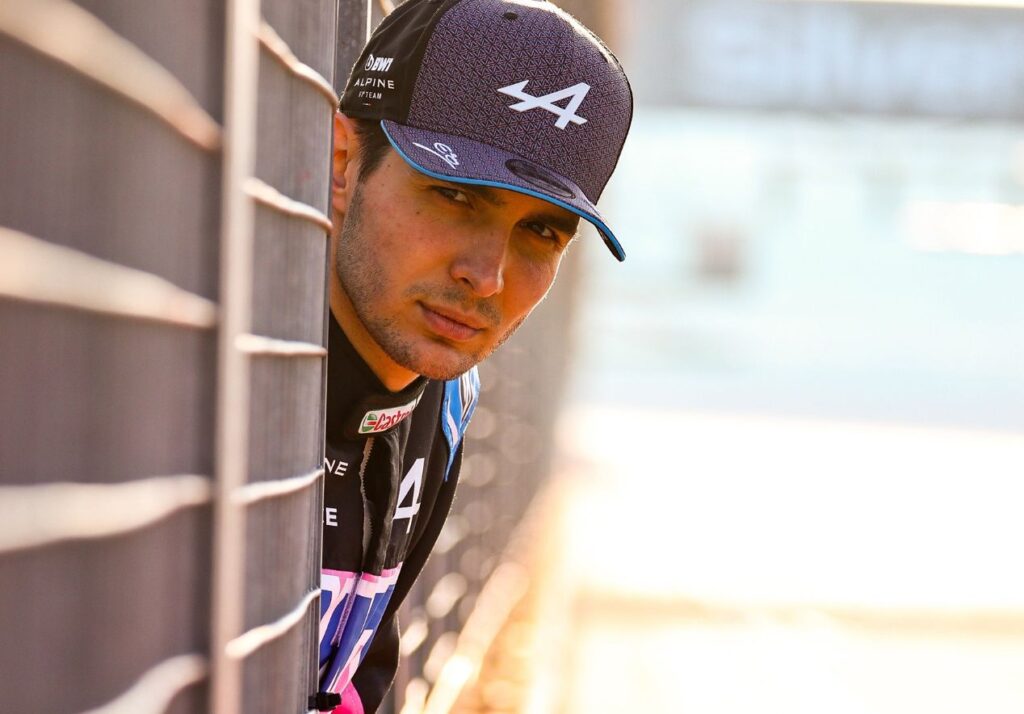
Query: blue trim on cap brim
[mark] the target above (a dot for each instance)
(606, 234)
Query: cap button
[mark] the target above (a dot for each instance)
(511, 16)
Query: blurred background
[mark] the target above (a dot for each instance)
(793, 442)
(771, 463)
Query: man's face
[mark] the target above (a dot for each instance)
(439, 274)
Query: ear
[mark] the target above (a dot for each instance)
(344, 162)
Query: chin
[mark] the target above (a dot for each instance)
(433, 357)
(443, 362)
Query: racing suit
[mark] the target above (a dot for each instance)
(392, 462)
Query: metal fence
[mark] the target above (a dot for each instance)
(162, 272)
(163, 225)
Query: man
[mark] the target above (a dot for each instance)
(473, 136)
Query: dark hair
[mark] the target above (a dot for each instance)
(373, 146)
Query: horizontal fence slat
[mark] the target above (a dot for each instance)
(248, 642)
(39, 271)
(267, 195)
(279, 49)
(64, 32)
(262, 490)
(32, 516)
(263, 345)
(155, 690)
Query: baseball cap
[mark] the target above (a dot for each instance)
(514, 94)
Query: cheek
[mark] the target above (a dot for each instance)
(405, 232)
(528, 286)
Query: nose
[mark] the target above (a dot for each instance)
(481, 263)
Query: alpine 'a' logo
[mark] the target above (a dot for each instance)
(575, 94)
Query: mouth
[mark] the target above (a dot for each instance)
(450, 324)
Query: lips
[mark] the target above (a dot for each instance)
(451, 324)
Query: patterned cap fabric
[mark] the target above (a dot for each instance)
(510, 93)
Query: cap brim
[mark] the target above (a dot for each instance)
(454, 158)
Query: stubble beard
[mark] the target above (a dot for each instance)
(363, 277)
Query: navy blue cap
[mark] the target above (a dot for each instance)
(515, 94)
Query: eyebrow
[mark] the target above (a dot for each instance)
(563, 220)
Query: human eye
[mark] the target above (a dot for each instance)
(452, 194)
(544, 231)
